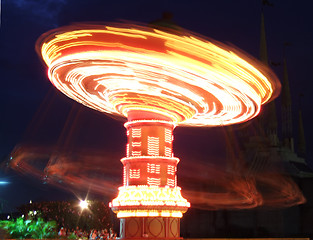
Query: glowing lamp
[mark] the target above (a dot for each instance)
(83, 204)
(156, 80)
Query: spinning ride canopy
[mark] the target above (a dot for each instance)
(125, 69)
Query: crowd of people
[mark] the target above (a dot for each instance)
(91, 235)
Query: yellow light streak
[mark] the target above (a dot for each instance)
(188, 79)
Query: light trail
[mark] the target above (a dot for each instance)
(125, 68)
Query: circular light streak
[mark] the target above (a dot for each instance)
(126, 69)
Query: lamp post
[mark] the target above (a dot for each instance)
(83, 204)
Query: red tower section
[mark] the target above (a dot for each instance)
(149, 158)
(149, 203)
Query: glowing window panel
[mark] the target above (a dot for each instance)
(177, 214)
(168, 151)
(134, 173)
(153, 168)
(165, 214)
(136, 144)
(168, 135)
(127, 150)
(151, 213)
(153, 203)
(153, 146)
(136, 153)
(153, 181)
(127, 132)
(124, 176)
(171, 169)
(170, 182)
(136, 132)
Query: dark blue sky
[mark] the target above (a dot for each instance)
(25, 84)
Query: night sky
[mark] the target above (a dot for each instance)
(32, 111)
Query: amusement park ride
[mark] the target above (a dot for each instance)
(157, 80)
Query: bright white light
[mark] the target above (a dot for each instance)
(30, 201)
(83, 204)
(4, 182)
(8, 217)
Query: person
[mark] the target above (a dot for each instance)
(111, 233)
(62, 232)
(105, 234)
(79, 233)
(102, 235)
(93, 235)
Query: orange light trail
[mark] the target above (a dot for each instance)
(188, 79)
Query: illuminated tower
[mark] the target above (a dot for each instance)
(156, 80)
(149, 202)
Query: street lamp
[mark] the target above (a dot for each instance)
(83, 204)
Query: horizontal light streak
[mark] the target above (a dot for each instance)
(152, 213)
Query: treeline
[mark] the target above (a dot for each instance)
(69, 214)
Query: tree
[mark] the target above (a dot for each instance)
(68, 214)
(36, 229)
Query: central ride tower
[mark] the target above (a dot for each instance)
(149, 204)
